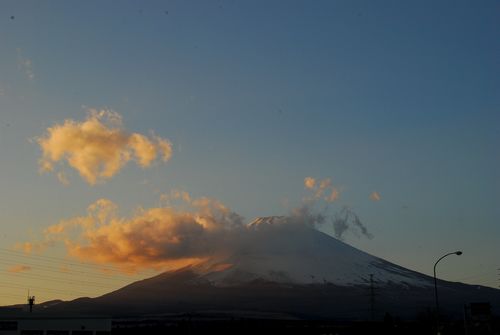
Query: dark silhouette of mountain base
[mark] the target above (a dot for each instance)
(182, 292)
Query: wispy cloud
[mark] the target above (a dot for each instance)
(342, 221)
(25, 65)
(63, 179)
(33, 247)
(98, 147)
(322, 189)
(334, 195)
(18, 268)
(375, 196)
(346, 220)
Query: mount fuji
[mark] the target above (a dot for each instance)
(304, 256)
(290, 269)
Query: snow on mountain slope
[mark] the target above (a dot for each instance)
(282, 252)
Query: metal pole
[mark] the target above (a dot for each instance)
(458, 253)
(372, 299)
(436, 297)
(466, 331)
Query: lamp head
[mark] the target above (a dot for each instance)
(458, 253)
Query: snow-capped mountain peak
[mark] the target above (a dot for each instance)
(291, 253)
(267, 220)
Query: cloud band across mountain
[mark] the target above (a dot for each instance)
(193, 231)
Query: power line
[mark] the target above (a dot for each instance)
(41, 274)
(52, 268)
(35, 262)
(12, 296)
(51, 260)
(54, 290)
(64, 261)
(64, 274)
(58, 280)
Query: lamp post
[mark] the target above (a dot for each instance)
(458, 253)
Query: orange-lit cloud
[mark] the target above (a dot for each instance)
(334, 195)
(18, 268)
(323, 186)
(375, 196)
(182, 231)
(323, 189)
(153, 238)
(98, 147)
(309, 183)
(33, 247)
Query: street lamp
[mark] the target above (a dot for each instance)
(458, 253)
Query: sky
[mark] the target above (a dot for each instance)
(394, 105)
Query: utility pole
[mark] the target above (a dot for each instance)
(372, 298)
(31, 301)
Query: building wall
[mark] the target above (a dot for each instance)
(55, 326)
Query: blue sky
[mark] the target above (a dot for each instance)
(397, 97)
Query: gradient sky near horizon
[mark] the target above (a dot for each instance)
(401, 98)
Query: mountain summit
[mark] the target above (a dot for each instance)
(289, 253)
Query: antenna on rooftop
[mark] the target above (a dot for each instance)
(31, 301)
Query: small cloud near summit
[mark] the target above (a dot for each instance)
(375, 196)
(309, 182)
(322, 189)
